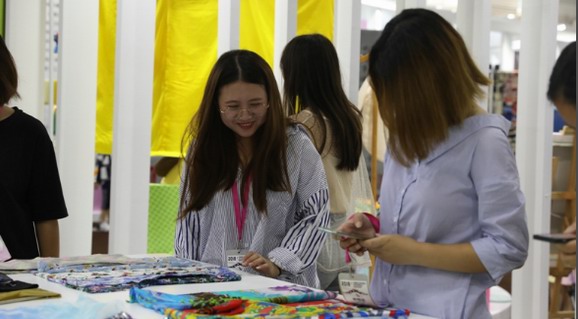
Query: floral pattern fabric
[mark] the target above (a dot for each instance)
(107, 277)
(282, 302)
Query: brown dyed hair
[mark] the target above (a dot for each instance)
(8, 75)
(310, 67)
(213, 161)
(425, 82)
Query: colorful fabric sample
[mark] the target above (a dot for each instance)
(283, 302)
(81, 308)
(97, 278)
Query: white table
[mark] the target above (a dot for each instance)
(500, 303)
(248, 281)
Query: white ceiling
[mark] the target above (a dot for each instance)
(501, 9)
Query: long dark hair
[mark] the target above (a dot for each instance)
(8, 75)
(313, 80)
(425, 82)
(213, 161)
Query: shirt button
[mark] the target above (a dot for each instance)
(395, 219)
(385, 281)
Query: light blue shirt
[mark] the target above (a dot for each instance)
(467, 190)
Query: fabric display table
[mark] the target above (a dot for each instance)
(150, 299)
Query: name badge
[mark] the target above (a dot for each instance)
(235, 258)
(355, 289)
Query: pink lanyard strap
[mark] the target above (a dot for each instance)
(241, 214)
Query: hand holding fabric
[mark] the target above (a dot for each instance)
(261, 264)
(360, 224)
(393, 249)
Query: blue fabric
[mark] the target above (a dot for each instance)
(83, 308)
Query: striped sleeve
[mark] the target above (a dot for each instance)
(187, 232)
(187, 237)
(300, 246)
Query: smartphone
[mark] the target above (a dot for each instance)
(343, 234)
(555, 238)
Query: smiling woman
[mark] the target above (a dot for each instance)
(244, 121)
(254, 189)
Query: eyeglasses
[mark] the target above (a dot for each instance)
(235, 109)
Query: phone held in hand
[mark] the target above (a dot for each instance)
(343, 234)
(555, 238)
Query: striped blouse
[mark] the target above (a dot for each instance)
(288, 235)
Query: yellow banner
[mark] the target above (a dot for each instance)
(185, 51)
(105, 76)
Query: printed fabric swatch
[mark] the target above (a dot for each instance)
(97, 278)
(281, 302)
(46, 264)
(81, 308)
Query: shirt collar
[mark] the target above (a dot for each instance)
(471, 125)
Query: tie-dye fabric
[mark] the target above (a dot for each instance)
(97, 278)
(281, 302)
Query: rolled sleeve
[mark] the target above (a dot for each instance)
(503, 245)
(300, 247)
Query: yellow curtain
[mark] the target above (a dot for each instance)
(258, 23)
(105, 75)
(315, 16)
(257, 19)
(185, 51)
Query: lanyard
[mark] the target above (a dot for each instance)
(240, 214)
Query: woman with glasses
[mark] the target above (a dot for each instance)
(314, 96)
(254, 190)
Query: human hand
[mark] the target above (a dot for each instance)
(359, 224)
(393, 249)
(261, 264)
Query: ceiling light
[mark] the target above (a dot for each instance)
(561, 27)
(511, 16)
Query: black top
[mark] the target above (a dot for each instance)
(30, 187)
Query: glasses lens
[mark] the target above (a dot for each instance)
(252, 108)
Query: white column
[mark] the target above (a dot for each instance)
(473, 23)
(135, 35)
(76, 121)
(285, 30)
(228, 26)
(534, 151)
(347, 43)
(508, 54)
(24, 35)
(400, 5)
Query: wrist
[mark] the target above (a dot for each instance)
(277, 271)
